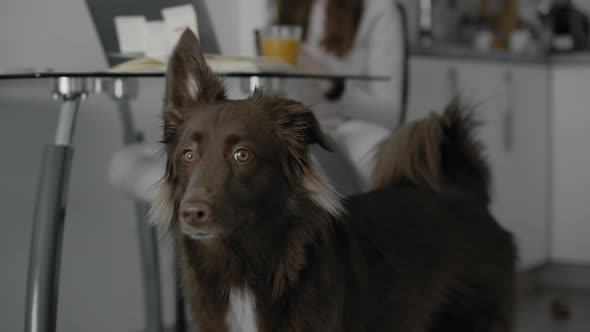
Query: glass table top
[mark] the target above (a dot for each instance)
(110, 74)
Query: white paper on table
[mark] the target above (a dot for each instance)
(156, 44)
(131, 33)
(176, 20)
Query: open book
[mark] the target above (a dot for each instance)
(218, 63)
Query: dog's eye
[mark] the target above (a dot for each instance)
(188, 156)
(242, 155)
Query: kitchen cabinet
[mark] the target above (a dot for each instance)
(571, 164)
(512, 101)
(523, 166)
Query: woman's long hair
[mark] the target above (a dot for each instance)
(342, 21)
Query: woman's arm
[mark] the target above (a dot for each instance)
(378, 101)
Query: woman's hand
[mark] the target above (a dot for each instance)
(307, 63)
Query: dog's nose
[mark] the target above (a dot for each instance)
(195, 214)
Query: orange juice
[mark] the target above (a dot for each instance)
(284, 49)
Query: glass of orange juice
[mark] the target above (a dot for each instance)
(280, 42)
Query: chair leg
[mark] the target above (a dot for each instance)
(49, 213)
(46, 241)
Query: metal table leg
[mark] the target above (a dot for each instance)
(122, 90)
(49, 215)
(268, 84)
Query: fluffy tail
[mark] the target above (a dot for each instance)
(438, 152)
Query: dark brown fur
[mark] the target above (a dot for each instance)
(438, 152)
(408, 257)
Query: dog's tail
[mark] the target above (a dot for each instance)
(438, 152)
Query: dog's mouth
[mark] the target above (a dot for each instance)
(200, 236)
(196, 234)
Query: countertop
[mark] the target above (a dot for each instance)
(463, 53)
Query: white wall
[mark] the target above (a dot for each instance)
(100, 271)
(223, 12)
(57, 33)
(254, 14)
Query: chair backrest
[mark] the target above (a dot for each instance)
(406, 64)
(103, 13)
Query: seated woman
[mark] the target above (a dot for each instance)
(350, 37)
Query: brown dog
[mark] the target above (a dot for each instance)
(267, 245)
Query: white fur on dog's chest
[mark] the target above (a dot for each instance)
(241, 311)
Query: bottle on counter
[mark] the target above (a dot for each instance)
(483, 37)
(506, 23)
(425, 27)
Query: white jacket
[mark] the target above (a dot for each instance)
(378, 51)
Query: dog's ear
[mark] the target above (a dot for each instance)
(296, 124)
(314, 131)
(296, 127)
(189, 78)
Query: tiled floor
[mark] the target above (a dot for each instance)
(535, 315)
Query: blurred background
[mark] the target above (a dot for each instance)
(525, 63)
